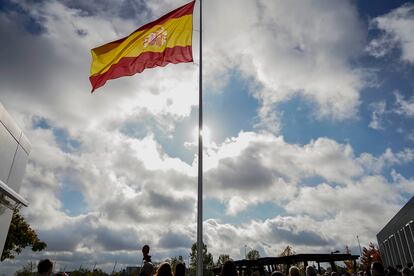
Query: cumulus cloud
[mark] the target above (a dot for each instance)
(281, 170)
(135, 192)
(396, 27)
(293, 48)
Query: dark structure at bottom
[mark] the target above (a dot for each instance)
(270, 264)
(396, 239)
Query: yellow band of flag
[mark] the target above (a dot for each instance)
(166, 40)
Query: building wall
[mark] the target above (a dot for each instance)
(14, 154)
(396, 239)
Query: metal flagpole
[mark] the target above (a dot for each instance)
(200, 247)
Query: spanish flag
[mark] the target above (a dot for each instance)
(158, 43)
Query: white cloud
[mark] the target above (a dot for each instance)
(378, 110)
(397, 28)
(405, 184)
(404, 107)
(267, 169)
(134, 191)
(289, 49)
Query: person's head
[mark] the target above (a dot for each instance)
(228, 269)
(406, 271)
(294, 271)
(179, 269)
(145, 253)
(310, 271)
(164, 270)
(377, 269)
(277, 273)
(145, 250)
(45, 267)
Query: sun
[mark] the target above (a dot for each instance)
(205, 132)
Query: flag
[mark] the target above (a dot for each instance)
(158, 43)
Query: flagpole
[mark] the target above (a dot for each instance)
(200, 247)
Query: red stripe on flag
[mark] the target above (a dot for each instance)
(128, 66)
(179, 12)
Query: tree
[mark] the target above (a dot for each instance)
(370, 255)
(253, 255)
(20, 236)
(27, 270)
(349, 263)
(288, 251)
(208, 262)
(223, 258)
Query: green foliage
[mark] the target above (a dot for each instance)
(223, 258)
(208, 262)
(253, 255)
(88, 272)
(20, 236)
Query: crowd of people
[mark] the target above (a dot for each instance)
(45, 268)
(376, 269)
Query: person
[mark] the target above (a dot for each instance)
(277, 273)
(145, 253)
(164, 270)
(147, 268)
(294, 271)
(179, 269)
(377, 269)
(45, 267)
(228, 269)
(310, 271)
(406, 271)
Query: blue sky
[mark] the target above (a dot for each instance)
(310, 108)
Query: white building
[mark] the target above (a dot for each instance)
(14, 153)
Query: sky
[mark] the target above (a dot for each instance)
(309, 108)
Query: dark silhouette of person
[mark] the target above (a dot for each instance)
(164, 270)
(45, 267)
(147, 266)
(145, 253)
(377, 269)
(294, 271)
(310, 271)
(277, 273)
(179, 269)
(228, 269)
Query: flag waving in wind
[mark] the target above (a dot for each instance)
(158, 43)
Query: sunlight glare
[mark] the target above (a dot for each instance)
(205, 132)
